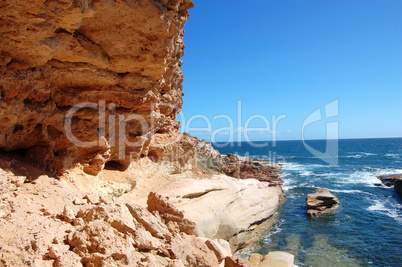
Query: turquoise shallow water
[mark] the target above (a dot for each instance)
(366, 229)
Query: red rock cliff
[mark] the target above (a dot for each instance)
(89, 82)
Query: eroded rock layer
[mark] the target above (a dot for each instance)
(89, 81)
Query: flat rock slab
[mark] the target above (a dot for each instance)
(221, 206)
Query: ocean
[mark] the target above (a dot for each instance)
(366, 229)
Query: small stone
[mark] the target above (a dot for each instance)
(68, 214)
(18, 180)
(78, 222)
(105, 199)
(93, 198)
(57, 250)
(79, 201)
(45, 211)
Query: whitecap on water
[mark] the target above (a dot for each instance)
(388, 208)
(367, 176)
(306, 173)
(350, 191)
(368, 154)
(290, 166)
(390, 155)
(359, 177)
(354, 157)
(359, 155)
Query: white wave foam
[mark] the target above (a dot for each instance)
(288, 186)
(350, 191)
(290, 166)
(361, 177)
(368, 154)
(306, 173)
(354, 157)
(387, 208)
(359, 155)
(390, 155)
(275, 229)
(367, 176)
(330, 174)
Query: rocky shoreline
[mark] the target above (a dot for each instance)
(195, 219)
(394, 180)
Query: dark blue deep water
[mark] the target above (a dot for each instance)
(366, 230)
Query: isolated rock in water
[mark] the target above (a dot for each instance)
(321, 201)
(392, 180)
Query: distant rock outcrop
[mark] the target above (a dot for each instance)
(392, 180)
(236, 166)
(320, 202)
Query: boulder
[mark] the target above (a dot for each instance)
(255, 258)
(321, 201)
(116, 214)
(238, 262)
(193, 251)
(278, 258)
(150, 222)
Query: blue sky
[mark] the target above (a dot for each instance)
(282, 60)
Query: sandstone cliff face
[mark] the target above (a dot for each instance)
(90, 81)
